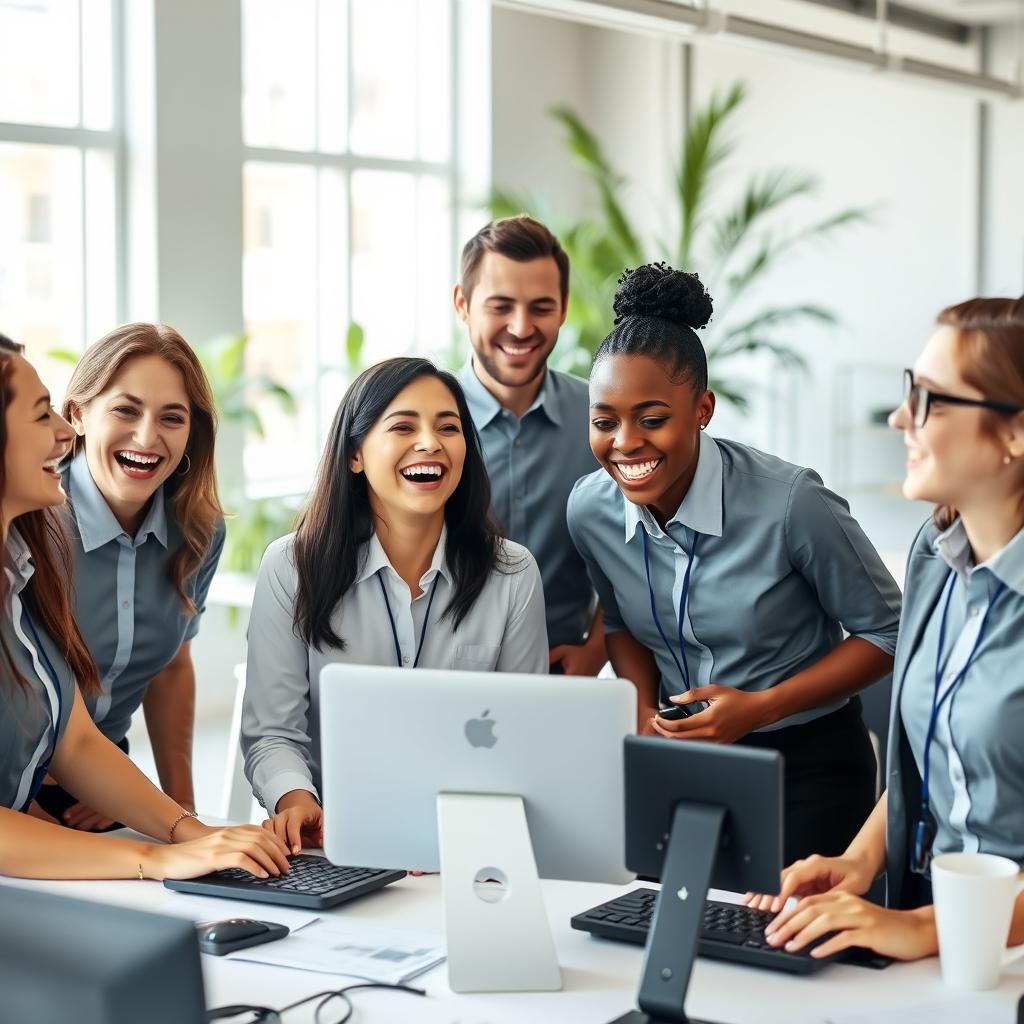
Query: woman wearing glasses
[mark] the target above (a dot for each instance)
(956, 763)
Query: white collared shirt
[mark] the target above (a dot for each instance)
(504, 631)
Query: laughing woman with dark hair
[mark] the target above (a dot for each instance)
(46, 668)
(727, 575)
(395, 561)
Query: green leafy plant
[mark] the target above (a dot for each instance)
(732, 247)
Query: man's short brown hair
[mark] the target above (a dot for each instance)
(517, 238)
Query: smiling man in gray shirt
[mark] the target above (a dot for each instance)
(533, 421)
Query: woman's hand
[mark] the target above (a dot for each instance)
(250, 847)
(813, 876)
(299, 821)
(733, 714)
(85, 819)
(902, 934)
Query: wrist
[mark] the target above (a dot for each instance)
(150, 858)
(297, 798)
(925, 918)
(190, 828)
(770, 707)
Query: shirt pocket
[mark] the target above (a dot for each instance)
(476, 657)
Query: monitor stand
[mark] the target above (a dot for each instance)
(672, 942)
(499, 940)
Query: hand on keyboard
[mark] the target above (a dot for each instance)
(853, 921)
(299, 821)
(813, 876)
(245, 847)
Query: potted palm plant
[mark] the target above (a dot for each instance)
(732, 246)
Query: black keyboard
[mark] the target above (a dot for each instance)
(728, 931)
(312, 882)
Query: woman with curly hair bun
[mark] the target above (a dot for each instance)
(727, 576)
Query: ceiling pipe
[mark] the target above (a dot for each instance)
(670, 20)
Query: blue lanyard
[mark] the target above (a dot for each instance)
(394, 628)
(925, 831)
(683, 666)
(44, 766)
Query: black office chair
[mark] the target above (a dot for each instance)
(875, 702)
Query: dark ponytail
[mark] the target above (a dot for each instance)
(658, 311)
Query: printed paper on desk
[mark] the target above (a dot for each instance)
(355, 950)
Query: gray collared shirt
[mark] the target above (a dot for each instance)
(533, 463)
(126, 606)
(32, 718)
(976, 779)
(503, 632)
(780, 569)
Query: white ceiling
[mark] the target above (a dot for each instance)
(972, 12)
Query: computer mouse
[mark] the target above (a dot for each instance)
(237, 933)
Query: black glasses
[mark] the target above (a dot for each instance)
(919, 401)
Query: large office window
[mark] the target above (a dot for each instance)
(349, 196)
(59, 155)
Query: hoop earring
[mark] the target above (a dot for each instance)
(184, 472)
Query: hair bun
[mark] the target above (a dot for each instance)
(657, 290)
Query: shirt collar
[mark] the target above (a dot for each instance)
(701, 507)
(1006, 565)
(17, 559)
(376, 559)
(97, 525)
(485, 407)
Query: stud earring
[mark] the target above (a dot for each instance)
(1007, 459)
(703, 426)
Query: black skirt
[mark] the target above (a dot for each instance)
(830, 773)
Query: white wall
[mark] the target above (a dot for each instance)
(1004, 170)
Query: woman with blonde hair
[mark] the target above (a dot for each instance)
(46, 673)
(147, 533)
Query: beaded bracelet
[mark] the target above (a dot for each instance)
(177, 821)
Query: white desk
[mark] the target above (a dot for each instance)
(600, 978)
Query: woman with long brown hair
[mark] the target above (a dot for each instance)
(147, 534)
(956, 763)
(45, 668)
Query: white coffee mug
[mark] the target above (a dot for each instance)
(974, 895)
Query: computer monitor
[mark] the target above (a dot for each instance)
(697, 814)
(487, 777)
(64, 959)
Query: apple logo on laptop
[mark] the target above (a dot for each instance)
(480, 731)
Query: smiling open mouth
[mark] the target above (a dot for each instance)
(138, 465)
(637, 472)
(518, 350)
(50, 466)
(425, 474)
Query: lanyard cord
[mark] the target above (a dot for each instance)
(394, 628)
(44, 766)
(937, 702)
(683, 666)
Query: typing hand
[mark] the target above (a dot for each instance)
(85, 819)
(298, 824)
(815, 875)
(902, 934)
(242, 846)
(733, 714)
